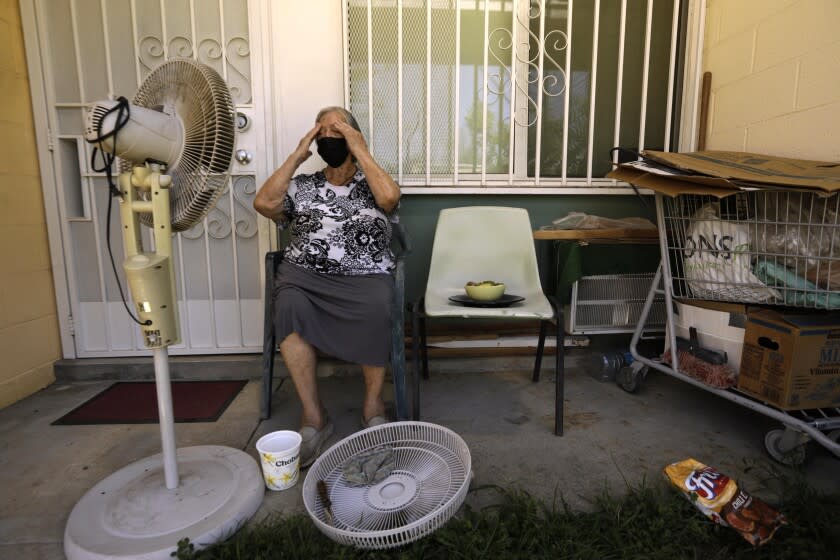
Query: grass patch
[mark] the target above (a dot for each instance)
(648, 521)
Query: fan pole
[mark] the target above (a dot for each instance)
(151, 277)
(166, 417)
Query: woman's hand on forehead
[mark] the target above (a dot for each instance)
(328, 126)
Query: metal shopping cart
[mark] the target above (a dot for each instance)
(771, 247)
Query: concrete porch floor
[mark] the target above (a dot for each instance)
(611, 436)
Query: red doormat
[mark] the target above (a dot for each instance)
(136, 403)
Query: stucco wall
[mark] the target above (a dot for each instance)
(775, 77)
(29, 340)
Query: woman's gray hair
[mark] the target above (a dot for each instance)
(348, 116)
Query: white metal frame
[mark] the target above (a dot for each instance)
(53, 204)
(515, 181)
(47, 139)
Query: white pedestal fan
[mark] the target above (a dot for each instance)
(176, 141)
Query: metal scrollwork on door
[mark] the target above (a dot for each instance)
(150, 52)
(244, 189)
(527, 52)
(237, 52)
(210, 52)
(180, 46)
(219, 222)
(195, 232)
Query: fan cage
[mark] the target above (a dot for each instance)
(202, 101)
(421, 436)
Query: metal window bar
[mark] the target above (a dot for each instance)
(428, 90)
(565, 166)
(400, 92)
(622, 29)
(514, 63)
(135, 42)
(672, 62)
(540, 78)
(457, 125)
(485, 91)
(645, 75)
(434, 172)
(592, 89)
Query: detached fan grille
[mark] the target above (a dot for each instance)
(201, 99)
(429, 482)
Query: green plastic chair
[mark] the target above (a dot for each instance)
(486, 243)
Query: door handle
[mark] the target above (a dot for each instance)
(244, 156)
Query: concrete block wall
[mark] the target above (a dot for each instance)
(775, 77)
(29, 339)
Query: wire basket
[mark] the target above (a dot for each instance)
(612, 303)
(429, 483)
(768, 247)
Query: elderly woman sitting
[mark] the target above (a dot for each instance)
(333, 289)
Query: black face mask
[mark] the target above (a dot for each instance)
(333, 150)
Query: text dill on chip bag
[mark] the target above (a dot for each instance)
(720, 499)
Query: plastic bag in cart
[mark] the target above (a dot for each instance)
(716, 260)
(582, 220)
(803, 229)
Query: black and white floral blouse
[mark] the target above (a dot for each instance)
(337, 229)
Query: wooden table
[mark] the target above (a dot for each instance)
(622, 235)
(647, 236)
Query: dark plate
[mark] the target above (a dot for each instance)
(504, 301)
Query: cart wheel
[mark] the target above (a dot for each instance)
(795, 456)
(631, 378)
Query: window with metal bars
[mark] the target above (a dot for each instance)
(510, 93)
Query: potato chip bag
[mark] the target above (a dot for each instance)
(720, 499)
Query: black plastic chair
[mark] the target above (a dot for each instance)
(402, 247)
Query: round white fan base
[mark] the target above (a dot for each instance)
(131, 513)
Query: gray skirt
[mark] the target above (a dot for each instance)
(346, 317)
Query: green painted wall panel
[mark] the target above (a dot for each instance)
(419, 214)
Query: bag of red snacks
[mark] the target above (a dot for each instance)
(720, 499)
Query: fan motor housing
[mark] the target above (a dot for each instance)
(147, 135)
(149, 278)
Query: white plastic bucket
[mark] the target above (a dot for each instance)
(280, 459)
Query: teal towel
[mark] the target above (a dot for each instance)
(797, 291)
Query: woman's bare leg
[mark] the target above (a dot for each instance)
(374, 382)
(301, 361)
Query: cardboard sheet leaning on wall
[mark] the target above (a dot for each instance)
(721, 174)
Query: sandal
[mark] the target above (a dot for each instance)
(377, 420)
(313, 442)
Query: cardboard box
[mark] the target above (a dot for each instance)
(792, 361)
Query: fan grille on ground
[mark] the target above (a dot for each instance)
(427, 486)
(201, 99)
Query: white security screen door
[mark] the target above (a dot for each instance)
(90, 50)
